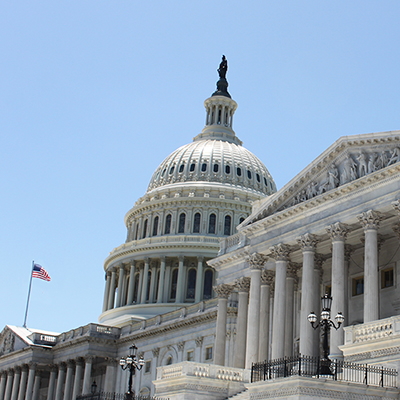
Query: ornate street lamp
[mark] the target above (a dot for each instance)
(326, 323)
(132, 363)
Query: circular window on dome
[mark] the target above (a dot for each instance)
(258, 177)
(227, 169)
(192, 167)
(203, 167)
(171, 171)
(216, 168)
(181, 168)
(239, 171)
(249, 174)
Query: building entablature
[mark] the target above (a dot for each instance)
(349, 165)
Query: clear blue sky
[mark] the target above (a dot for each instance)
(95, 94)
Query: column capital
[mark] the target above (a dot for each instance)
(111, 361)
(280, 252)
(291, 271)
(70, 363)
(200, 258)
(180, 345)
(53, 367)
(337, 231)
(10, 371)
(369, 219)
(257, 260)
(243, 284)
(223, 291)
(181, 258)
(38, 373)
(396, 206)
(396, 230)
(89, 358)
(62, 366)
(308, 242)
(163, 258)
(267, 277)
(156, 352)
(17, 370)
(32, 365)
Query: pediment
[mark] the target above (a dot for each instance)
(7, 341)
(350, 162)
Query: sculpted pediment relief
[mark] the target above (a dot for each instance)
(350, 159)
(7, 341)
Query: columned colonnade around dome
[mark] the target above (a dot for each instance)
(158, 280)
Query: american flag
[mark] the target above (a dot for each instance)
(39, 272)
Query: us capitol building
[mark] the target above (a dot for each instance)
(219, 282)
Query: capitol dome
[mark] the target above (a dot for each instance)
(195, 200)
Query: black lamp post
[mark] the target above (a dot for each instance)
(132, 363)
(326, 323)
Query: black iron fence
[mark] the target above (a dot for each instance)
(316, 367)
(114, 396)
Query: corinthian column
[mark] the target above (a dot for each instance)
(145, 280)
(308, 243)
(256, 263)
(23, 382)
(52, 381)
(31, 379)
(78, 377)
(36, 385)
(223, 291)
(199, 279)
(243, 286)
(120, 285)
(370, 222)
(68, 380)
(180, 290)
(337, 233)
(267, 283)
(60, 381)
(10, 378)
(280, 253)
(131, 286)
(160, 296)
(106, 291)
(111, 294)
(3, 380)
(88, 373)
(291, 279)
(17, 377)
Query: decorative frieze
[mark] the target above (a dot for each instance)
(243, 284)
(257, 260)
(308, 242)
(337, 231)
(280, 252)
(369, 219)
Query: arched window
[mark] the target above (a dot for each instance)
(182, 220)
(144, 229)
(241, 220)
(191, 287)
(157, 282)
(171, 171)
(227, 225)
(196, 223)
(167, 229)
(211, 223)
(136, 288)
(227, 169)
(126, 291)
(239, 171)
(258, 177)
(174, 282)
(215, 168)
(148, 286)
(249, 174)
(155, 226)
(137, 232)
(181, 168)
(192, 167)
(208, 284)
(203, 167)
(169, 361)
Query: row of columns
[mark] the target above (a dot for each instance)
(126, 293)
(256, 313)
(66, 381)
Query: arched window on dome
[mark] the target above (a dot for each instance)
(204, 167)
(239, 171)
(227, 169)
(192, 167)
(144, 229)
(208, 284)
(155, 226)
(136, 288)
(196, 223)
(219, 116)
(215, 168)
(258, 178)
(182, 220)
(174, 281)
(212, 223)
(172, 169)
(181, 168)
(167, 229)
(191, 287)
(248, 174)
(137, 232)
(227, 225)
(148, 286)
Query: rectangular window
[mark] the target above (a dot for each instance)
(387, 278)
(147, 367)
(209, 353)
(358, 286)
(190, 355)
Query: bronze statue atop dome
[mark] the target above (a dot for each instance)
(222, 84)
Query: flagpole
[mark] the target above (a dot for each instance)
(29, 295)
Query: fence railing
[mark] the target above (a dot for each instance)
(319, 368)
(114, 396)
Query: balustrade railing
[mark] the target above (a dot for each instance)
(315, 367)
(115, 396)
